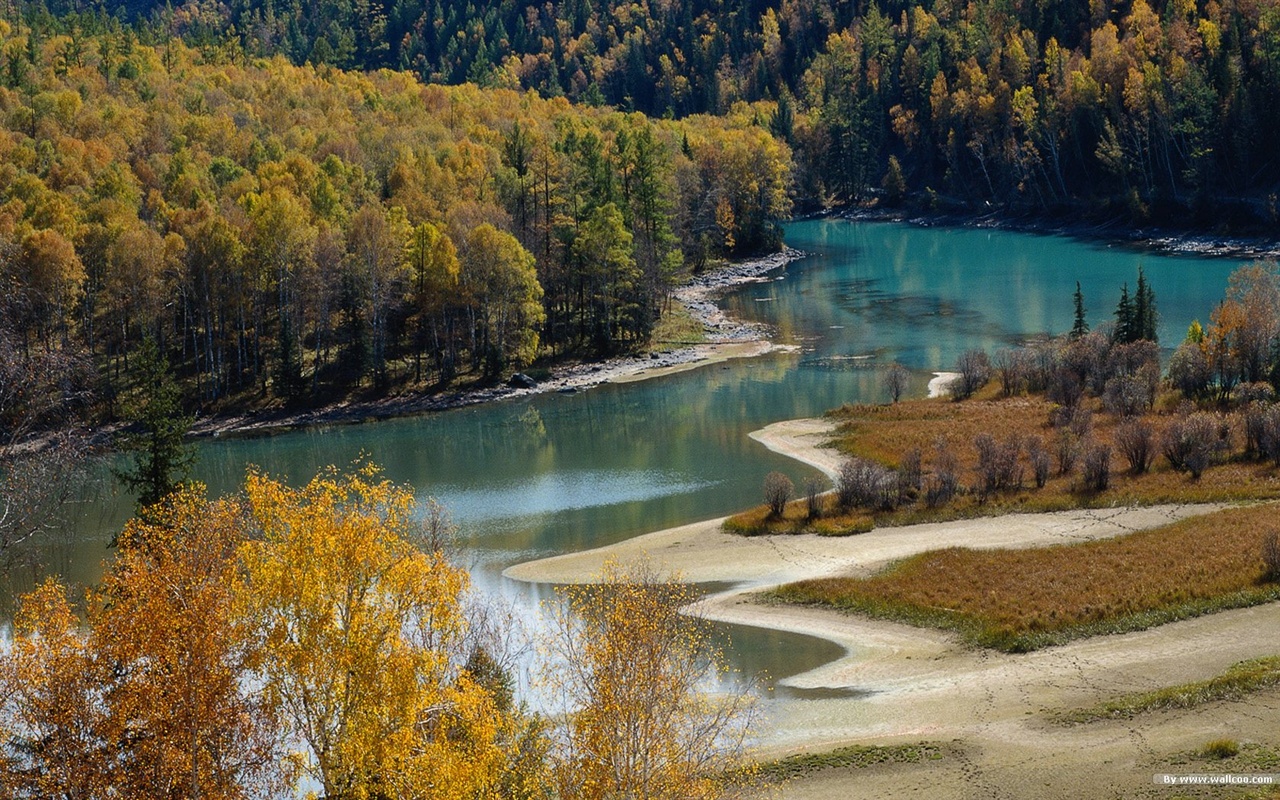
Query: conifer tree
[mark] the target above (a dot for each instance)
(1125, 322)
(161, 458)
(1080, 327)
(1144, 310)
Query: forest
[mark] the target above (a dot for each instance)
(292, 233)
(1127, 109)
(301, 201)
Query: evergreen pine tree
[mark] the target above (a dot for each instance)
(1144, 310)
(1125, 322)
(161, 458)
(1081, 326)
(1139, 307)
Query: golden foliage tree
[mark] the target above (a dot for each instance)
(630, 667)
(53, 720)
(362, 634)
(500, 276)
(152, 696)
(187, 722)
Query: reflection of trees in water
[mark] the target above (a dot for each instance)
(41, 389)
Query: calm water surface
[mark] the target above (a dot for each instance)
(557, 473)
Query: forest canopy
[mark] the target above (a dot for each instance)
(1155, 108)
(289, 231)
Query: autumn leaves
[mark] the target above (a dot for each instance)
(237, 646)
(151, 699)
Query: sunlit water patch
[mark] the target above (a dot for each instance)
(507, 504)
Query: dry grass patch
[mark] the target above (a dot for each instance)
(884, 433)
(1020, 600)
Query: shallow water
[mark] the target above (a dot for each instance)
(556, 473)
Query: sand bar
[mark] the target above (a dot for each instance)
(990, 710)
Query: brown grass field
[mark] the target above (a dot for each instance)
(1019, 600)
(884, 433)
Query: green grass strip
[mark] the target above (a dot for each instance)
(851, 757)
(1240, 680)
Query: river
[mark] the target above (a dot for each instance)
(547, 474)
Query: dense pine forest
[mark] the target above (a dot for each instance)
(1154, 109)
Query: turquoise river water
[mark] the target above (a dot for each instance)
(554, 473)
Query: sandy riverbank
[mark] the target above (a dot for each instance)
(989, 709)
(727, 338)
(940, 383)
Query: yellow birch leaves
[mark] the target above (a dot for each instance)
(361, 632)
(630, 669)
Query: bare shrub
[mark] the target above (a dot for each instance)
(778, 489)
(987, 449)
(812, 498)
(1040, 461)
(1077, 419)
(944, 481)
(1064, 388)
(1013, 367)
(1096, 467)
(1256, 419)
(1087, 358)
(1066, 446)
(974, 370)
(1191, 443)
(1271, 556)
(895, 380)
(1190, 371)
(1128, 395)
(1132, 358)
(1136, 440)
(1267, 420)
(909, 475)
(1046, 361)
(997, 467)
(865, 484)
(1081, 422)
(1259, 392)
(1150, 378)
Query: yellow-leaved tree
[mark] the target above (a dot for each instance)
(631, 671)
(364, 639)
(151, 696)
(55, 740)
(186, 719)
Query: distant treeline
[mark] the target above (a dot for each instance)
(1154, 109)
(292, 231)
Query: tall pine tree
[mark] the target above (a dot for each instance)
(1144, 315)
(1080, 327)
(1126, 324)
(161, 458)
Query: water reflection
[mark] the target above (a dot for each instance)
(760, 660)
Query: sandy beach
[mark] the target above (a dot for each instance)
(940, 383)
(991, 710)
